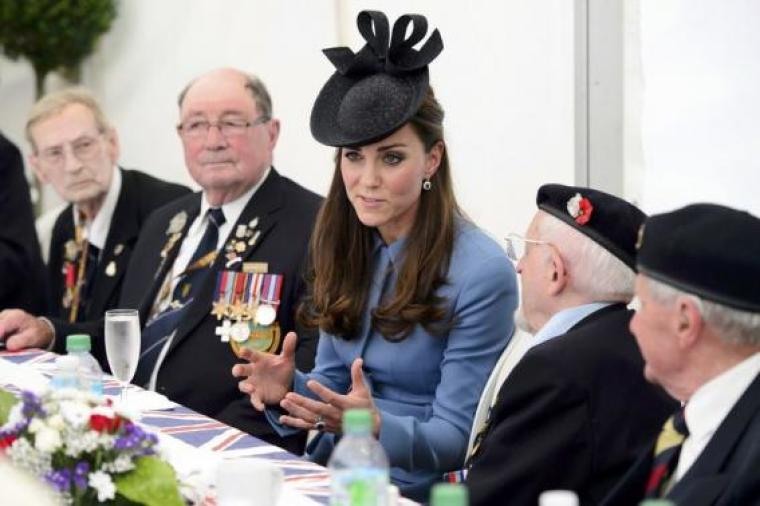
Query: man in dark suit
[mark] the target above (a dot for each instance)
(23, 282)
(575, 411)
(222, 269)
(75, 150)
(698, 327)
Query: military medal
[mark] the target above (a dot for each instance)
(246, 306)
(265, 315)
(245, 237)
(174, 231)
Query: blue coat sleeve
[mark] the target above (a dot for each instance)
(482, 326)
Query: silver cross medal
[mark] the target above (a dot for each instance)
(224, 331)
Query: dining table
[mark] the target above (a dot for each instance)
(193, 443)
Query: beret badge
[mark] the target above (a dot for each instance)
(580, 208)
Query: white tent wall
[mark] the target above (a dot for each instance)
(692, 103)
(505, 78)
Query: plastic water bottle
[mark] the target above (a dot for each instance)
(558, 498)
(358, 465)
(90, 374)
(449, 494)
(66, 372)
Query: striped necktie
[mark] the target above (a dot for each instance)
(163, 325)
(666, 453)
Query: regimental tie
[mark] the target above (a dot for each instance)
(163, 324)
(79, 271)
(666, 453)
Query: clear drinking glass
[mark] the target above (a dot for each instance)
(123, 345)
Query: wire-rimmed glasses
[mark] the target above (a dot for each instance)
(198, 128)
(517, 244)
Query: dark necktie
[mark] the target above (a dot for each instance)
(666, 453)
(162, 325)
(93, 253)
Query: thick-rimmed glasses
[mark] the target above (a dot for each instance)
(230, 127)
(84, 149)
(517, 244)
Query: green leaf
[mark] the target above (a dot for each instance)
(152, 483)
(7, 401)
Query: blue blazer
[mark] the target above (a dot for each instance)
(426, 387)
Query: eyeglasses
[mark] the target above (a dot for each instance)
(516, 246)
(84, 149)
(232, 127)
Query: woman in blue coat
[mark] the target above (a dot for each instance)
(414, 303)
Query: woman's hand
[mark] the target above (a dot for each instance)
(305, 413)
(267, 377)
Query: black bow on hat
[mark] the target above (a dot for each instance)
(377, 90)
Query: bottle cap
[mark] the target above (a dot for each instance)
(449, 494)
(67, 363)
(357, 420)
(656, 502)
(78, 342)
(558, 498)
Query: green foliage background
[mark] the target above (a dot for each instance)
(54, 35)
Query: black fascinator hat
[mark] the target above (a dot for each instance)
(377, 90)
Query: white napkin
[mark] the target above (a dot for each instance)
(139, 400)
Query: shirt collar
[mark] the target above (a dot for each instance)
(564, 320)
(393, 251)
(232, 210)
(97, 230)
(711, 403)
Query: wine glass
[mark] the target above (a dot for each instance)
(123, 345)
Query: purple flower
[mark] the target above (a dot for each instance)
(59, 479)
(81, 471)
(136, 439)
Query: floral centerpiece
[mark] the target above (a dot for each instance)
(85, 449)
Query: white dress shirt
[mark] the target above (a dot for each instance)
(710, 405)
(96, 230)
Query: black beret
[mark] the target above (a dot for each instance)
(705, 249)
(610, 221)
(376, 91)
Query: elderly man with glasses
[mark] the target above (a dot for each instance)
(75, 149)
(575, 410)
(221, 270)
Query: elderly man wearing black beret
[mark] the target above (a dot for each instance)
(698, 327)
(575, 412)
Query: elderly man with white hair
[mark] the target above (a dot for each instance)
(698, 327)
(575, 412)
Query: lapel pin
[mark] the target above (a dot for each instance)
(111, 269)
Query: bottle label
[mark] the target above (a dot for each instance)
(359, 487)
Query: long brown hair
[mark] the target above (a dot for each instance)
(341, 254)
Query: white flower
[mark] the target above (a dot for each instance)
(103, 484)
(122, 464)
(574, 205)
(36, 425)
(56, 422)
(75, 413)
(106, 411)
(15, 415)
(47, 440)
(23, 454)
